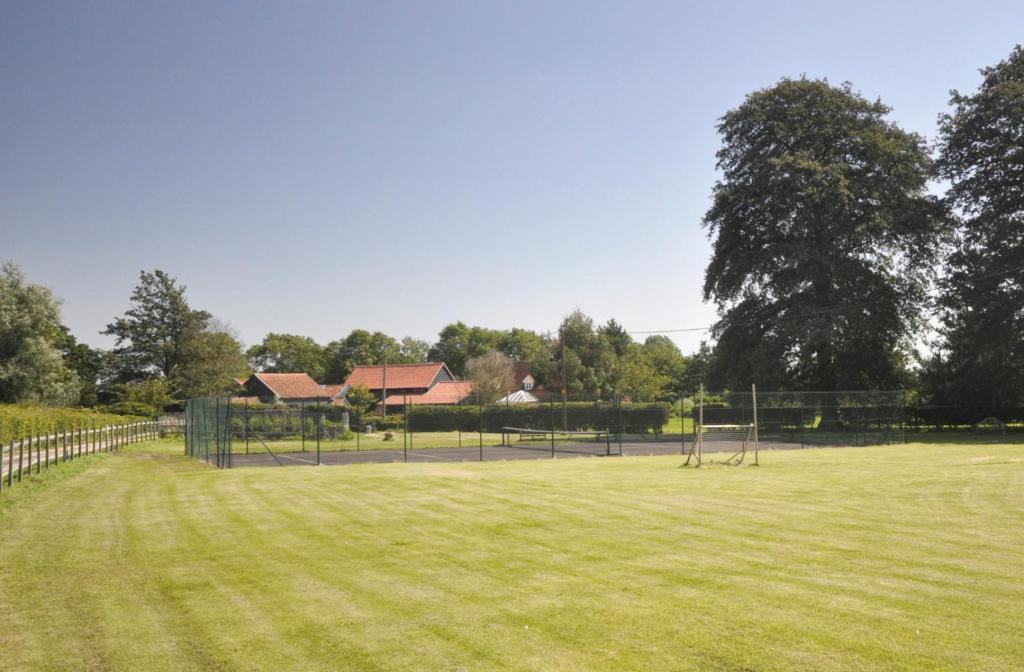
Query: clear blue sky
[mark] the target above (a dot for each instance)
(315, 167)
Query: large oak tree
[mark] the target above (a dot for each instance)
(824, 240)
(981, 359)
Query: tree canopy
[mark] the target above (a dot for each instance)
(163, 343)
(213, 360)
(288, 353)
(153, 335)
(981, 142)
(361, 348)
(458, 343)
(491, 375)
(824, 238)
(89, 365)
(31, 366)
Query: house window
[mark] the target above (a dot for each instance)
(528, 383)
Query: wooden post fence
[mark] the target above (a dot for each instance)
(68, 444)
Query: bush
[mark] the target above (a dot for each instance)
(388, 422)
(136, 408)
(960, 416)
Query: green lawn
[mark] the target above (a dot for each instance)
(897, 558)
(675, 423)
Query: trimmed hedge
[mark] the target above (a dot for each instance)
(795, 417)
(718, 415)
(578, 416)
(961, 416)
(19, 421)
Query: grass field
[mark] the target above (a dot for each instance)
(898, 558)
(676, 423)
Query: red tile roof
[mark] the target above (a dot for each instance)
(332, 390)
(444, 393)
(400, 376)
(291, 385)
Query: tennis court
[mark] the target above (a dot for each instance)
(513, 451)
(221, 434)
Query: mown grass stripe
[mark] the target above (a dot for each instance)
(848, 559)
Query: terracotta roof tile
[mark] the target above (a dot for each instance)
(400, 376)
(444, 393)
(332, 390)
(291, 385)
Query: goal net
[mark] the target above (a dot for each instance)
(729, 443)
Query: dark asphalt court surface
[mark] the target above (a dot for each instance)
(536, 451)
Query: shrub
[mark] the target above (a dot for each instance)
(136, 408)
(388, 422)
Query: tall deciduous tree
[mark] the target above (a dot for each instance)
(86, 362)
(700, 369)
(360, 398)
(524, 345)
(458, 343)
(31, 366)
(361, 347)
(413, 351)
(289, 353)
(590, 360)
(344, 354)
(824, 237)
(669, 363)
(491, 375)
(639, 379)
(213, 360)
(981, 361)
(153, 334)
